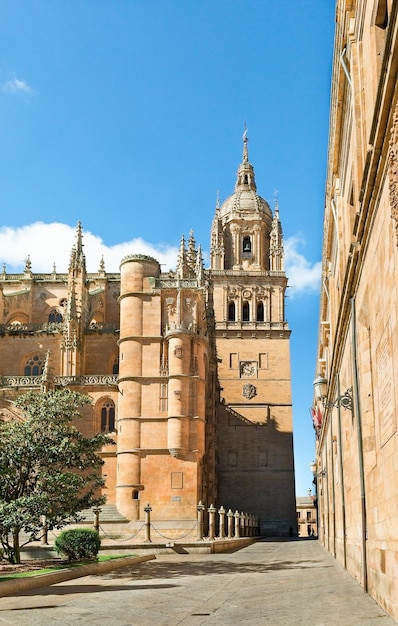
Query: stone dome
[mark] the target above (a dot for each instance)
(245, 198)
(245, 201)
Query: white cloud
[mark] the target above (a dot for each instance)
(304, 277)
(16, 86)
(47, 244)
(52, 243)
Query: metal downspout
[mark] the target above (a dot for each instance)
(357, 415)
(341, 471)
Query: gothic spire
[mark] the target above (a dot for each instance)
(182, 260)
(191, 253)
(77, 257)
(245, 176)
(276, 251)
(199, 266)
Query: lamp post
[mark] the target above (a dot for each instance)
(321, 391)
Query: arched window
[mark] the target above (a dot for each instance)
(247, 245)
(108, 417)
(260, 311)
(245, 312)
(34, 366)
(231, 311)
(55, 316)
(115, 366)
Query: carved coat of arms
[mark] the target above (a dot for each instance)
(249, 391)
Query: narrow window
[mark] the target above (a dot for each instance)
(231, 312)
(115, 366)
(246, 312)
(260, 311)
(163, 397)
(108, 418)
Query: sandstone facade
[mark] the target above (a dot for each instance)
(356, 423)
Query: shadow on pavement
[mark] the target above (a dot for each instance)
(158, 569)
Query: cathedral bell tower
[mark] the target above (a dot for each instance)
(252, 339)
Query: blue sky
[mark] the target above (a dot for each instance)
(128, 116)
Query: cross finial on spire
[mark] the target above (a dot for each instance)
(245, 140)
(218, 200)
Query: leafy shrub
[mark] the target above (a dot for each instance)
(78, 544)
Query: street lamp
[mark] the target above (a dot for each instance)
(321, 389)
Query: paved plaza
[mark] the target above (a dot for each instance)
(280, 583)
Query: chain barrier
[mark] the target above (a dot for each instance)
(175, 538)
(121, 540)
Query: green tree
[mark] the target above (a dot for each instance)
(47, 467)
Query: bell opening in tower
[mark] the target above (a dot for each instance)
(247, 246)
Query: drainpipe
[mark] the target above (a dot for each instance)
(333, 494)
(341, 471)
(357, 415)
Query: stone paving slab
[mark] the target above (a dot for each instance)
(276, 583)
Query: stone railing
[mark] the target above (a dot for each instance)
(182, 327)
(174, 283)
(62, 381)
(262, 273)
(252, 326)
(21, 381)
(93, 379)
(102, 327)
(50, 328)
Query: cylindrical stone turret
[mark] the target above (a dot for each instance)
(135, 274)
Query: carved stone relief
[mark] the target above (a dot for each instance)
(178, 352)
(249, 391)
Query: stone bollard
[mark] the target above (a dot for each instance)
(212, 521)
(200, 508)
(230, 517)
(242, 524)
(237, 521)
(96, 511)
(148, 510)
(221, 512)
(44, 537)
